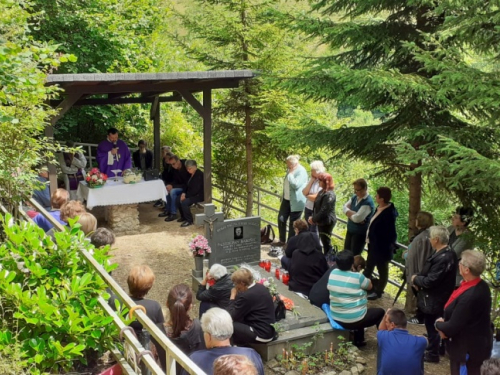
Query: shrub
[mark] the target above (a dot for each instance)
(48, 298)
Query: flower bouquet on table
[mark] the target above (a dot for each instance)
(95, 178)
(199, 246)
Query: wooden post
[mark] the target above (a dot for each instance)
(207, 144)
(156, 132)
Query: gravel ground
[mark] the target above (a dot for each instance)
(163, 247)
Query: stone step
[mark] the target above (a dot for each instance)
(322, 336)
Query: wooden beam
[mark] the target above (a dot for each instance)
(150, 87)
(65, 105)
(207, 144)
(154, 105)
(188, 97)
(105, 101)
(156, 135)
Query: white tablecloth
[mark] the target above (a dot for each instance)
(116, 192)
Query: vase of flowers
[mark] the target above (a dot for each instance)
(95, 178)
(199, 249)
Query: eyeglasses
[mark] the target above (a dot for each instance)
(358, 190)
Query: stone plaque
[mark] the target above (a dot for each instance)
(235, 241)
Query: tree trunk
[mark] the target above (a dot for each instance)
(415, 199)
(248, 147)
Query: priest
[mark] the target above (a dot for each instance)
(113, 154)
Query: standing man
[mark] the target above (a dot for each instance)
(434, 285)
(143, 158)
(359, 211)
(178, 186)
(113, 153)
(293, 201)
(398, 351)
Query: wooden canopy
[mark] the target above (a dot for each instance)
(132, 88)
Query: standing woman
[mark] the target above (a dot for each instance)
(381, 238)
(311, 191)
(324, 211)
(466, 322)
(72, 166)
(293, 201)
(418, 251)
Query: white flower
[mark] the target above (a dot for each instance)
(94, 177)
(266, 284)
(100, 180)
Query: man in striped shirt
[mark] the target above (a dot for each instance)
(348, 302)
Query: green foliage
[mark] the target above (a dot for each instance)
(23, 113)
(49, 298)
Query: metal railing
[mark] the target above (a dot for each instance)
(261, 206)
(173, 353)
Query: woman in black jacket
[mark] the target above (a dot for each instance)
(300, 227)
(324, 210)
(252, 309)
(308, 264)
(220, 289)
(381, 238)
(466, 321)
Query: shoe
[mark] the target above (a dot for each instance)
(359, 344)
(415, 320)
(275, 252)
(181, 220)
(158, 203)
(171, 217)
(430, 359)
(186, 224)
(372, 296)
(164, 214)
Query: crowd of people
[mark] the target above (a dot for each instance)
(445, 290)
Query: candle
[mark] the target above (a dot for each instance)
(284, 353)
(326, 356)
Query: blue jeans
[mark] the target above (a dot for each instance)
(172, 200)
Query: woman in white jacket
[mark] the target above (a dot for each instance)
(72, 166)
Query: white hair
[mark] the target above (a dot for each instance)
(318, 166)
(294, 159)
(218, 323)
(441, 233)
(217, 271)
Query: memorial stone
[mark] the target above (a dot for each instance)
(233, 241)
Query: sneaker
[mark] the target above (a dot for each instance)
(158, 203)
(275, 252)
(372, 296)
(415, 320)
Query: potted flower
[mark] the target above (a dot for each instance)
(199, 247)
(95, 178)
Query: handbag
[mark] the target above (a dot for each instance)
(331, 257)
(266, 233)
(279, 308)
(151, 174)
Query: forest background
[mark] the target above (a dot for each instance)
(405, 96)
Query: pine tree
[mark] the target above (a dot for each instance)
(407, 61)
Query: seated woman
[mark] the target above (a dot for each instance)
(348, 299)
(219, 292)
(300, 228)
(185, 333)
(319, 294)
(69, 210)
(58, 199)
(88, 223)
(252, 309)
(308, 263)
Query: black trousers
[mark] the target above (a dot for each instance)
(355, 242)
(432, 335)
(383, 272)
(284, 215)
(243, 334)
(373, 317)
(307, 214)
(325, 233)
(185, 209)
(473, 368)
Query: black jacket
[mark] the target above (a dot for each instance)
(181, 176)
(255, 308)
(293, 243)
(194, 188)
(136, 156)
(436, 281)
(218, 293)
(308, 264)
(468, 326)
(324, 208)
(319, 293)
(167, 175)
(382, 234)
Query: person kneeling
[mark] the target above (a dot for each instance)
(220, 289)
(217, 327)
(398, 351)
(348, 303)
(252, 309)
